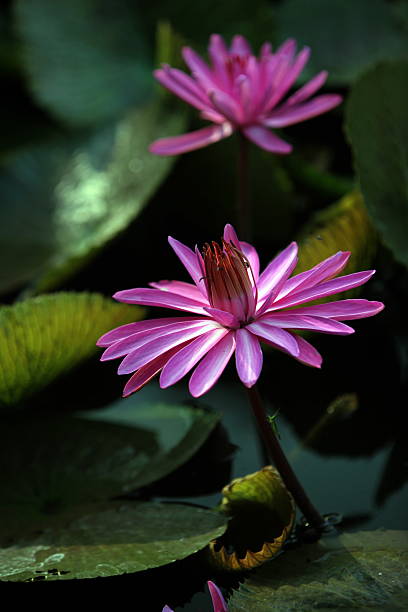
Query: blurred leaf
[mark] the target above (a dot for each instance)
(180, 431)
(110, 540)
(45, 336)
(345, 37)
(197, 21)
(395, 473)
(63, 200)
(358, 571)
(377, 125)
(343, 226)
(86, 61)
(262, 515)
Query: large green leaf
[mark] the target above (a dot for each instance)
(64, 199)
(45, 336)
(359, 571)
(86, 61)
(110, 540)
(377, 124)
(345, 37)
(180, 431)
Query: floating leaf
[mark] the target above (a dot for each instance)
(345, 37)
(86, 61)
(180, 432)
(262, 515)
(377, 124)
(45, 336)
(358, 571)
(63, 200)
(344, 226)
(110, 540)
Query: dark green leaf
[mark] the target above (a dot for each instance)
(45, 336)
(345, 37)
(110, 540)
(377, 124)
(62, 201)
(359, 571)
(86, 61)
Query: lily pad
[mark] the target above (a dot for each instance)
(112, 540)
(345, 37)
(85, 61)
(42, 337)
(262, 514)
(63, 200)
(357, 571)
(377, 125)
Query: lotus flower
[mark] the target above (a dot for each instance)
(239, 91)
(218, 601)
(234, 309)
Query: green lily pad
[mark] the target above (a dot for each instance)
(377, 125)
(179, 430)
(85, 61)
(112, 540)
(45, 336)
(357, 571)
(262, 515)
(63, 200)
(345, 37)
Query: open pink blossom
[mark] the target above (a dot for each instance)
(218, 601)
(239, 91)
(234, 309)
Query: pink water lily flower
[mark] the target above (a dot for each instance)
(235, 309)
(218, 601)
(239, 91)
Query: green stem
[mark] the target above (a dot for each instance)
(278, 458)
(243, 211)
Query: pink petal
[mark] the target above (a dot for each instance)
(145, 374)
(277, 272)
(119, 333)
(167, 609)
(186, 358)
(185, 88)
(155, 297)
(230, 235)
(248, 357)
(266, 140)
(218, 54)
(322, 271)
(212, 366)
(290, 77)
(335, 285)
(224, 318)
(192, 261)
(240, 46)
(287, 48)
(294, 320)
(308, 89)
(307, 353)
(131, 343)
(201, 71)
(218, 601)
(180, 288)
(227, 106)
(343, 310)
(294, 114)
(191, 141)
(277, 336)
(142, 355)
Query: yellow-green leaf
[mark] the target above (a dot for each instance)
(262, 515)
(45, 336)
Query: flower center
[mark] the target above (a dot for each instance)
(229, 280)
(236, 65)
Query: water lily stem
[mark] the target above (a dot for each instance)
(278, 458)
(244, 218)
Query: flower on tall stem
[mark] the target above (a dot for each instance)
(232, 309)
(217, 599)
(239, 91)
